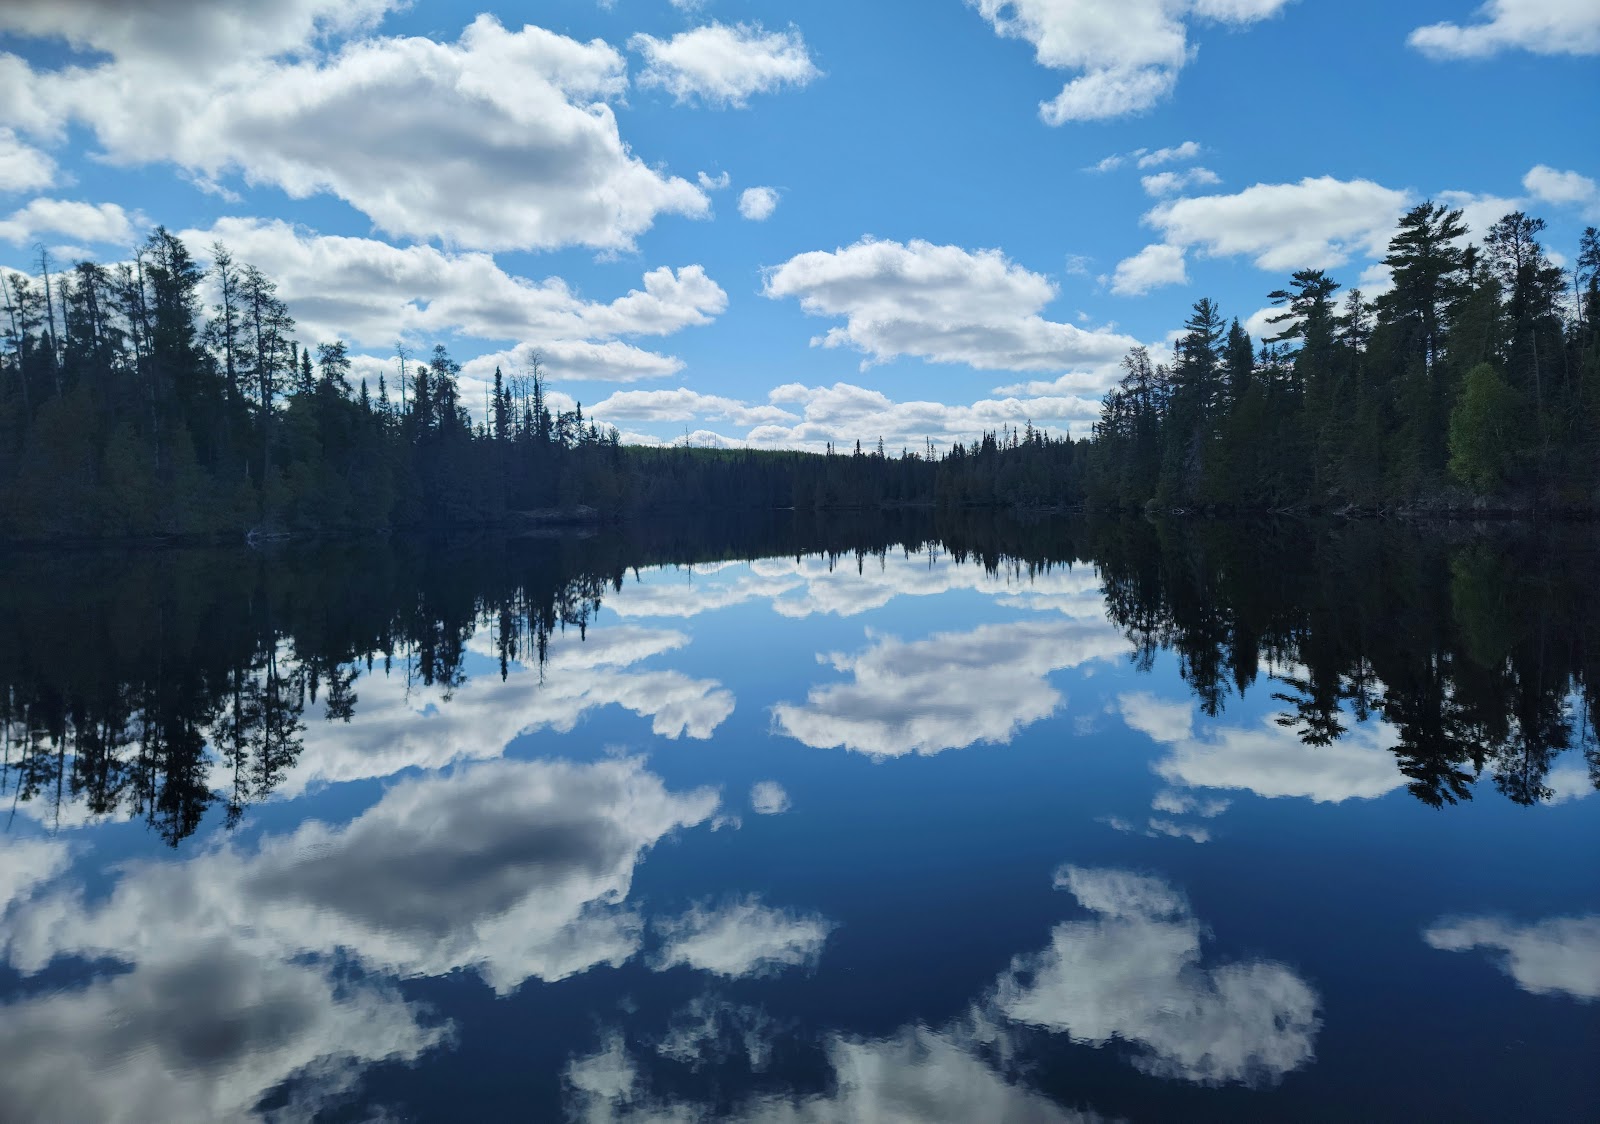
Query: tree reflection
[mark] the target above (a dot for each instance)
(1473, 646)
(168, 684)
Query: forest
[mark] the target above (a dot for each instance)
(154, 398)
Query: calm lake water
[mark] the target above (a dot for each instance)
(895, 821)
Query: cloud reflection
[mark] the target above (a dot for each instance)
(917, 1076)
(233, 980)
(1559, 956)
(199, 1031)
(948, 691)
(1265, 759)
(1134, 974)
(742, 938)
(402, 726)
(511, 869)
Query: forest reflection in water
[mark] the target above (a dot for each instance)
(672, 824)
(168, 685)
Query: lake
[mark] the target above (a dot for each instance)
(807, 819)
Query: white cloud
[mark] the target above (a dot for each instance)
(1156, 265)
(1563, 189)
(719, 64)
(1128, 53)
(572, 360)
(768, 798)
(100, 223)
(1135, 974)
(203, 36)
(717, 182)
(948, 691)
(370, 293)
(742, 938)
(23, 167)
(1545, 27)
(1259, 323)
(1560, 956)
(1188, 150)
(500, 140)
(1266, 759)
(1479, 212)
(845, 413)
(684, 405)
(1552, 186)
(1170, 183)
(941, 303)
(1316, 223)
(758, 203)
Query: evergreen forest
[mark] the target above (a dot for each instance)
(155, 398)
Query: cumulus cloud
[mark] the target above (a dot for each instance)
(1559, 956)
(369, 292)
(1265, 759)
(502, 139)
(23, 167)
(1316, 223)
(1170, 183)
(722, 64)
(742, 938)
(1177, 153)
(197, 35)
(1562, 189)
(714, 182)
(1127, 55)
(758, 203)
(1544, 27)
(683, 405)
(98, 223)
(802, 417)
(1156, 265)
(1135, 974)
(941, 303)
(948, 691)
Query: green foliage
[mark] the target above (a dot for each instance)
(1482, 440)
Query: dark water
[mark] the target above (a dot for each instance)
(889, 822)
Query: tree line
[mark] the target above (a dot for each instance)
(129, 407)
(1475, 378)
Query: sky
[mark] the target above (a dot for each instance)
(739, 222)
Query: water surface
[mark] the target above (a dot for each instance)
(910, 820)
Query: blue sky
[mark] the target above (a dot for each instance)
(785, 225)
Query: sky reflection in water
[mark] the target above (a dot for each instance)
(880, 838)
